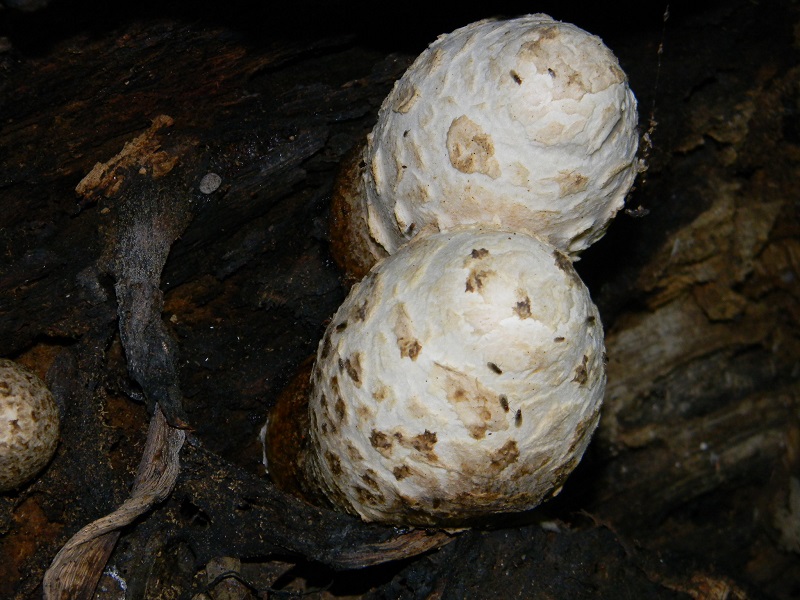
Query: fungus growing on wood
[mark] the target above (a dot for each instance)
(523, 125)
(29, 425)
(461, 378)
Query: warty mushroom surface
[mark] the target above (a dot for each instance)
(461, 378)
(524, 125)
(29, 425)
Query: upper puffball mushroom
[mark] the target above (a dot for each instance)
(29, 425)
(462, 377)
(523, 125)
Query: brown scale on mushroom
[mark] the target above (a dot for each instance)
(523, 308)
(424, 442)
(353, 367)
(369, 498)
(504, 456)
(334, 463)
(401, 472)
(340, 410)
(438, 422)
(581, 372)
(353, 453)
(476, 279)
(474, 403)
(406, 340)
(571, 182)
(369, 479)
(381, 442)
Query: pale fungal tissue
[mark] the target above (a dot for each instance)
(29, 425)
(462, 377)
(524, 125)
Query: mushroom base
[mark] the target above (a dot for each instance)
(352, 248)
(286, 438)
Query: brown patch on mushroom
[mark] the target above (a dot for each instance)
(584, 429)
(406, 340)
(326, 345)
(361, 312)
(369, 479)
(562, 262)
(380, 393)
(340, 409)
(479, 253)
(565, 264)
(523, 308)
(502, 457)
(476, 279)
(582, 372)
(353, 367)
(424, 442)
(353, 452)
(470, 149)
(406, 97)
(368, 498)
(333, 462)
(571, 182)
(475, 404)
(409, 348)
(401, 472)
(381, 442)
(363, 412)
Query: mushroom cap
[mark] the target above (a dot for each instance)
(524, 125)
(462, 377)
(29, 425)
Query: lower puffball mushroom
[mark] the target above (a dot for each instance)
(29, 425)
(463, 377)
(527, 125)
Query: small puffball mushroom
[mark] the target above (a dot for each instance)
(461, 378)
(523, 125)
(29, 425)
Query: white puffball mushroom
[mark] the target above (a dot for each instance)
(29, 425)
(463, 377)
(523, 125)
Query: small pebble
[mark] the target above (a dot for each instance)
(210, 182)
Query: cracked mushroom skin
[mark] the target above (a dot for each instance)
(461, 378)
(524, 125)
(29, 425)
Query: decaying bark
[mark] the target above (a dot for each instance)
(691, 487)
